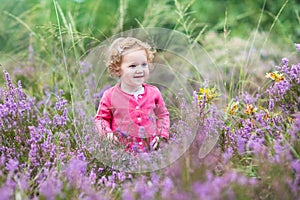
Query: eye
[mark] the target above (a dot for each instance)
(132, 66)
(144, 65)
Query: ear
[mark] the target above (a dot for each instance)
(118, 74)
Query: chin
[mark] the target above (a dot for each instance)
(138, 83)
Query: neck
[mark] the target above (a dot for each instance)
(130, 90)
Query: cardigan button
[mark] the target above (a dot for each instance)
(137, 107)
(139, 119)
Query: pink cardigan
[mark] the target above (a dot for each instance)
(135, 121)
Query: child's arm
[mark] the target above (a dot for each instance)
(103, 117)
(162, 114)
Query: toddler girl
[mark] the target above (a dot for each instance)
(132, 112)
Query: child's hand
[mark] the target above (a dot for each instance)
(158, 142)
(114, 139)
(154, 143)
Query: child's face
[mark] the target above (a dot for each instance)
(134, 68)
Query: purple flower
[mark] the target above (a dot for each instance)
(51, 187)
(20, 91)
(145, 189)
(2, 160)
(294, 131)
(230, 194)
(61, 120)
(33, 154)
(127, 194)
(100, 94)
(167, 186)
(205, 190)
(296, 167)
(60, 104)
(122, 133)
(75, 171)
(12, 165)
(277, 147)
(81, 156)
(121, 176)
(9, 83)
(227, 155)
(102, 180)
(249, 99)
(297, 47)
(295, 73)
(285, 61)
(279, 89)
(6, 192)
(240, 145)
(92, 177)
(271, 104)
(85, 67)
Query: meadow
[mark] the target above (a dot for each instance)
(239, 108)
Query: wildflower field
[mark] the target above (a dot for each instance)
(240, 109)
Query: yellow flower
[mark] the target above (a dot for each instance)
(250, 109)
(266, 116)
(291, 120)
(275, 76)
(233, 108)
(210, 94)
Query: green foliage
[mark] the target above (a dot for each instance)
(243, 16)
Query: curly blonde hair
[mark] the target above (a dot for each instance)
(119, 47)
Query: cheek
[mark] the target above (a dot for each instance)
(126, 73)
(119, 72)
(146, 76)
(147, 72)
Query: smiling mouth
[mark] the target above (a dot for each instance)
(139, 76)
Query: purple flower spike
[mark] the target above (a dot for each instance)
(9, 82)
(285, 61)
(12, 165)
(122, 133)
(297, 47)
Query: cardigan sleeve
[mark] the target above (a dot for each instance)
(162, 114)
(103, 118)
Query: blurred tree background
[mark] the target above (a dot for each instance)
(101, 19)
